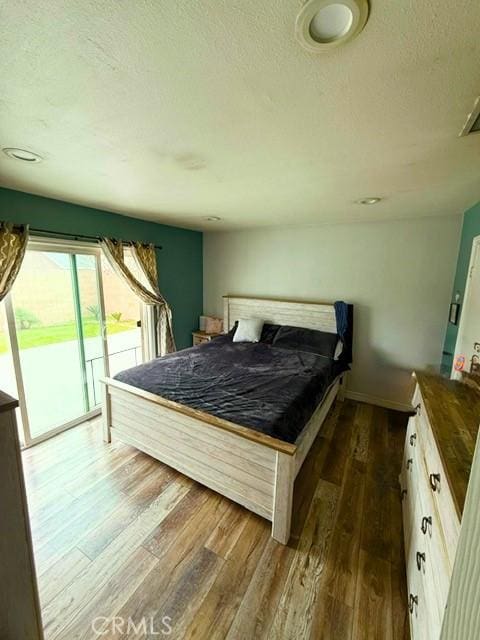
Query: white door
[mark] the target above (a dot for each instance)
(467, 349)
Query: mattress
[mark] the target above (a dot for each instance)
(269, 389)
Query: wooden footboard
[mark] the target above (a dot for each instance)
(252, 469)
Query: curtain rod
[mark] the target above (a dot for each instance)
(76, 236)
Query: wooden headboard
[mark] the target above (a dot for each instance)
(310, 315)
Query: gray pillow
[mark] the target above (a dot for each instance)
(320, 342)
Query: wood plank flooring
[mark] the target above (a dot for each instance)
(139, 551)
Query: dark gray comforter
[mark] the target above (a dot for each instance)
(269, 389)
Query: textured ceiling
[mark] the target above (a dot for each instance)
(172, 111)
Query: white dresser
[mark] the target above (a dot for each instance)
(438, 452)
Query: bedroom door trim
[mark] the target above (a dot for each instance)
(474, 262)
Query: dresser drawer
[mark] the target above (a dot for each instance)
(439, 490)
(408, 481)
(411, 439)
(418, 602)
(410, 467)
(422, 423)
(434, 478)
(420, 573)
(428, 523)
(417, 401)
(408, 506)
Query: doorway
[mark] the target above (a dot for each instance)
(68, 321)
(467, 349)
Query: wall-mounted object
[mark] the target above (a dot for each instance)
(454, 313)
(459, 363)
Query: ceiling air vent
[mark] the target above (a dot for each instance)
(472, 125)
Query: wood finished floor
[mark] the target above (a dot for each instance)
(117, 533)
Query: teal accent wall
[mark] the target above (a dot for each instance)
(180, 262)
(470, 229)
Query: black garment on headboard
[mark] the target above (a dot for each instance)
(344, 317)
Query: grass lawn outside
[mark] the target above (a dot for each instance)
(41, 336)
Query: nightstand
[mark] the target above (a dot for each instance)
(201, 336)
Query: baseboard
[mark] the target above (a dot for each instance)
(379, 402)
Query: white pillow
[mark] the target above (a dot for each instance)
(248, 330)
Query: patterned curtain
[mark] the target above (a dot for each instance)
(146, 259)
(148, 292)
(13, 242)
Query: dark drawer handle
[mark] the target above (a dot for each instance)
(418, 409)
(412, 601)
(426, 520)
(420, 558)
(434, 481)
(409, 462)
(413, 437)
(403, 493)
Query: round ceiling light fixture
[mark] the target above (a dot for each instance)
(212, 219)
(22, 154)
(324, 24)
(371, 200)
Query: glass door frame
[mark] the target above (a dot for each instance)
(72, 248)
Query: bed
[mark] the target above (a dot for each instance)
(249, 451)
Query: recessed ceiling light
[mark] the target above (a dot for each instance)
(323, 24)
(212, 218)
(22, 154)
(372, 200)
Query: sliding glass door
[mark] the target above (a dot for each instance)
(55, 326)
(60, 342)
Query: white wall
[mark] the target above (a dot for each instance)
(399, 275)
